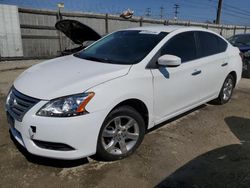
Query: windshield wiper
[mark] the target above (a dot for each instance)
(93, 59)
(104, 60)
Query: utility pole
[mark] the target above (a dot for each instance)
(218, 12)
(161, 12)
(148, 12)
(176, 12)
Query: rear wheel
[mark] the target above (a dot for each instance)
(226, 90)
(121, 133)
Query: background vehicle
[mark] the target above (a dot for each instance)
(242, 41)
(103, 99)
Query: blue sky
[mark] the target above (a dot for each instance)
(233, 12)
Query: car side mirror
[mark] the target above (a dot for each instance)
(169, 61)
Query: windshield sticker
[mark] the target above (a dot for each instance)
(150, 32)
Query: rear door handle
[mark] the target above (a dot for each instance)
(224, 64)
(196, 72)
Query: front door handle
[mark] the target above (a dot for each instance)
(196, 72)
(224, 64)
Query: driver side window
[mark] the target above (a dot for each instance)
(182, 45)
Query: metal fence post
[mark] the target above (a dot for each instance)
(234, 30)
(107, 23)
(141, 21)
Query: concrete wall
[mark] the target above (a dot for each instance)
(41, 40)
(10, 34)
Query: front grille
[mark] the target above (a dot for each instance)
(18, 104)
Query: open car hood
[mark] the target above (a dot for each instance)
(77, 31)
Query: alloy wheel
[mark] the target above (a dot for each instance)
(227, 89)
(120, 135)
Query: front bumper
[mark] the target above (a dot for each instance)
(79, 132)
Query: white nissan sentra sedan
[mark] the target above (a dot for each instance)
(104, 98)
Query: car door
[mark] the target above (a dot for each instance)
(177, 88)
(212, 57)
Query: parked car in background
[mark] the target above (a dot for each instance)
(80, 34)
(103, 99)
(242, 41)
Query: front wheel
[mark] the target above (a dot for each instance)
(121, 133)
(226, 90)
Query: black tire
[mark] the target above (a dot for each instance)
(119, 113)
(221, 98)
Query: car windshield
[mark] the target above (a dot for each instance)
(240, 40)
(122, 47)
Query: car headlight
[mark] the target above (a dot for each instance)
(68, 106)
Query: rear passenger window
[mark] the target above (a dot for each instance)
(210, 44)
(222, 45)
(182, 45)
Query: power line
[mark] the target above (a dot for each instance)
(232, 7)
(231, 11)
(210, 7)
(198, 4)
(235, 15)
(226, 7)
(236, 11)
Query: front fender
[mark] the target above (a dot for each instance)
(113, 92)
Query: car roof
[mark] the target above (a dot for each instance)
(167, 29)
